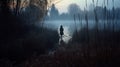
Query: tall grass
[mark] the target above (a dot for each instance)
(96, 20)
(80, 21)
(75, 20)
(113, 16)
(86, 19)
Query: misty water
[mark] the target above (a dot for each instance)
(71, 25)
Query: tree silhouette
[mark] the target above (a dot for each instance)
(74, 9)
(17, 26)
(54, 12)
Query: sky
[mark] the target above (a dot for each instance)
(63, 4)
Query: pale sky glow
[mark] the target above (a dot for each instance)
(63, 5)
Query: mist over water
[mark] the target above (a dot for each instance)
(69, 26)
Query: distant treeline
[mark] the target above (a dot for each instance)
(100, 11)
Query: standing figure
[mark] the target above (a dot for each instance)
(61, 31)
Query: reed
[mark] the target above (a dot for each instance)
(96, 20)
(87, 23)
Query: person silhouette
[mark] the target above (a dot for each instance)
(61, 31)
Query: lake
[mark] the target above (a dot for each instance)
(71, 25)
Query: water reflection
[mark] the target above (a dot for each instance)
(67, 34)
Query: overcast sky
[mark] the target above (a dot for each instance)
(63, 5)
